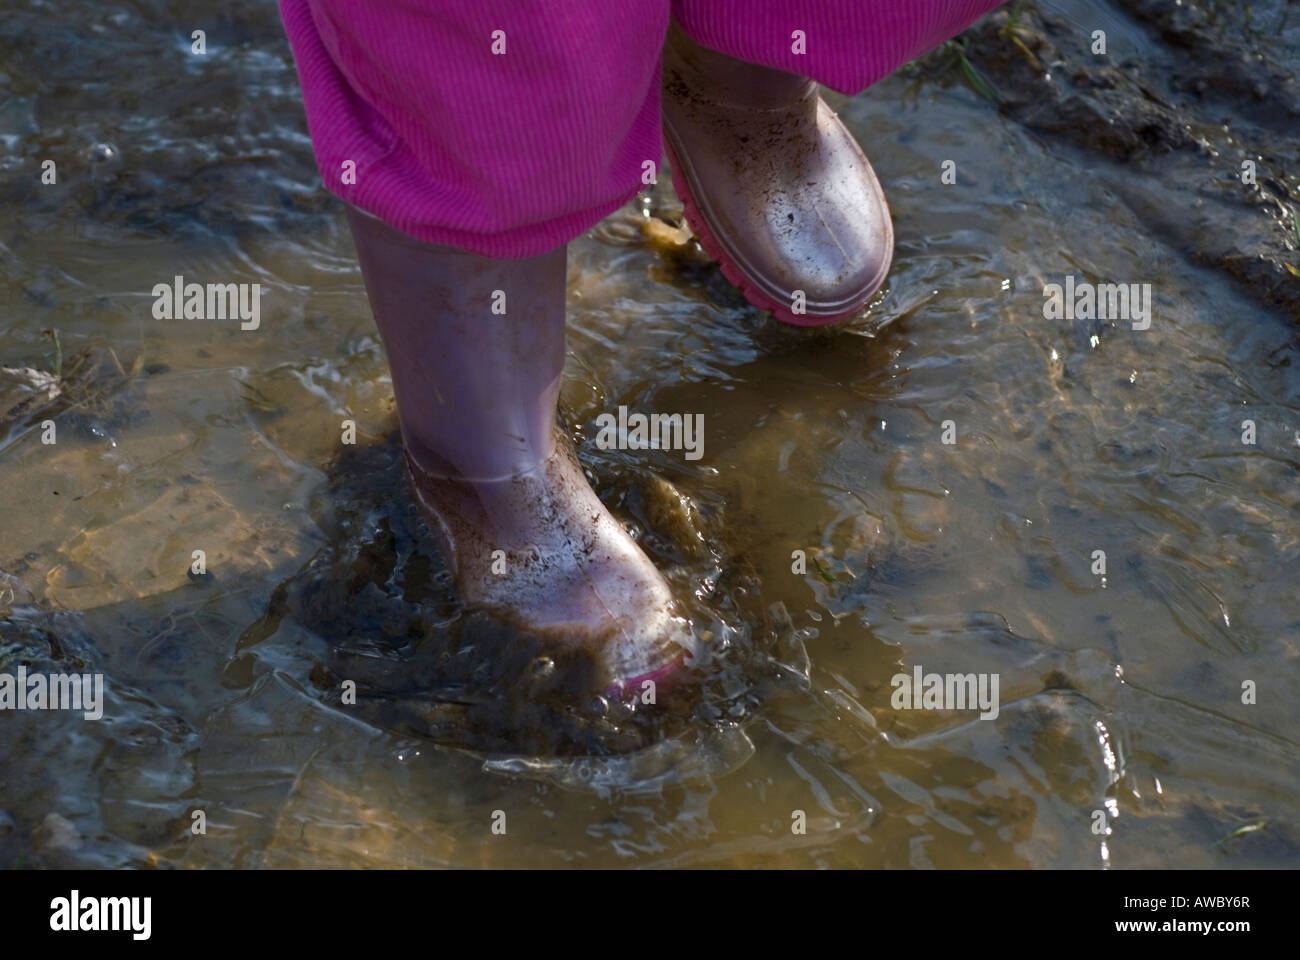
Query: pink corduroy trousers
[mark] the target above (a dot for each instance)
(508, 127)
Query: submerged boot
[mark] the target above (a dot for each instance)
(476, 350)
(773, 184)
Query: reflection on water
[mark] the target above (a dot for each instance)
(1120, 692)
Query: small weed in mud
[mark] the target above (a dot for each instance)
(952, 56)
(978, 82)
(1014, 17)
(1239, 832)
(823, 572)
(255, 398)
(58, 350)
(1011, 30)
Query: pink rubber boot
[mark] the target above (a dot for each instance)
(476, 350)
(774, 185)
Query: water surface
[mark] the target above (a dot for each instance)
(1120, 693)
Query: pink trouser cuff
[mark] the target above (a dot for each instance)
(507, 128)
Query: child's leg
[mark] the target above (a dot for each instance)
(504, 129)
(775, 186)
(476, 349)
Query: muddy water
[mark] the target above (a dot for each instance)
(1119, 693)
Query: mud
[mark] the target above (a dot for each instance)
(1210, 87)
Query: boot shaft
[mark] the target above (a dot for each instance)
(475, 346)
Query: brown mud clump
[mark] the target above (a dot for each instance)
(1199, 123)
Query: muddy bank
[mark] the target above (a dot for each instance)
(1183, 97)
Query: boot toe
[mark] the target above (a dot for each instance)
(822, 242)
(550, 559)
(643, 636)
(806, 233)
(832, 243)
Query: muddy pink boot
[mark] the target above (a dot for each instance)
(774, 185)
(476, 350)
